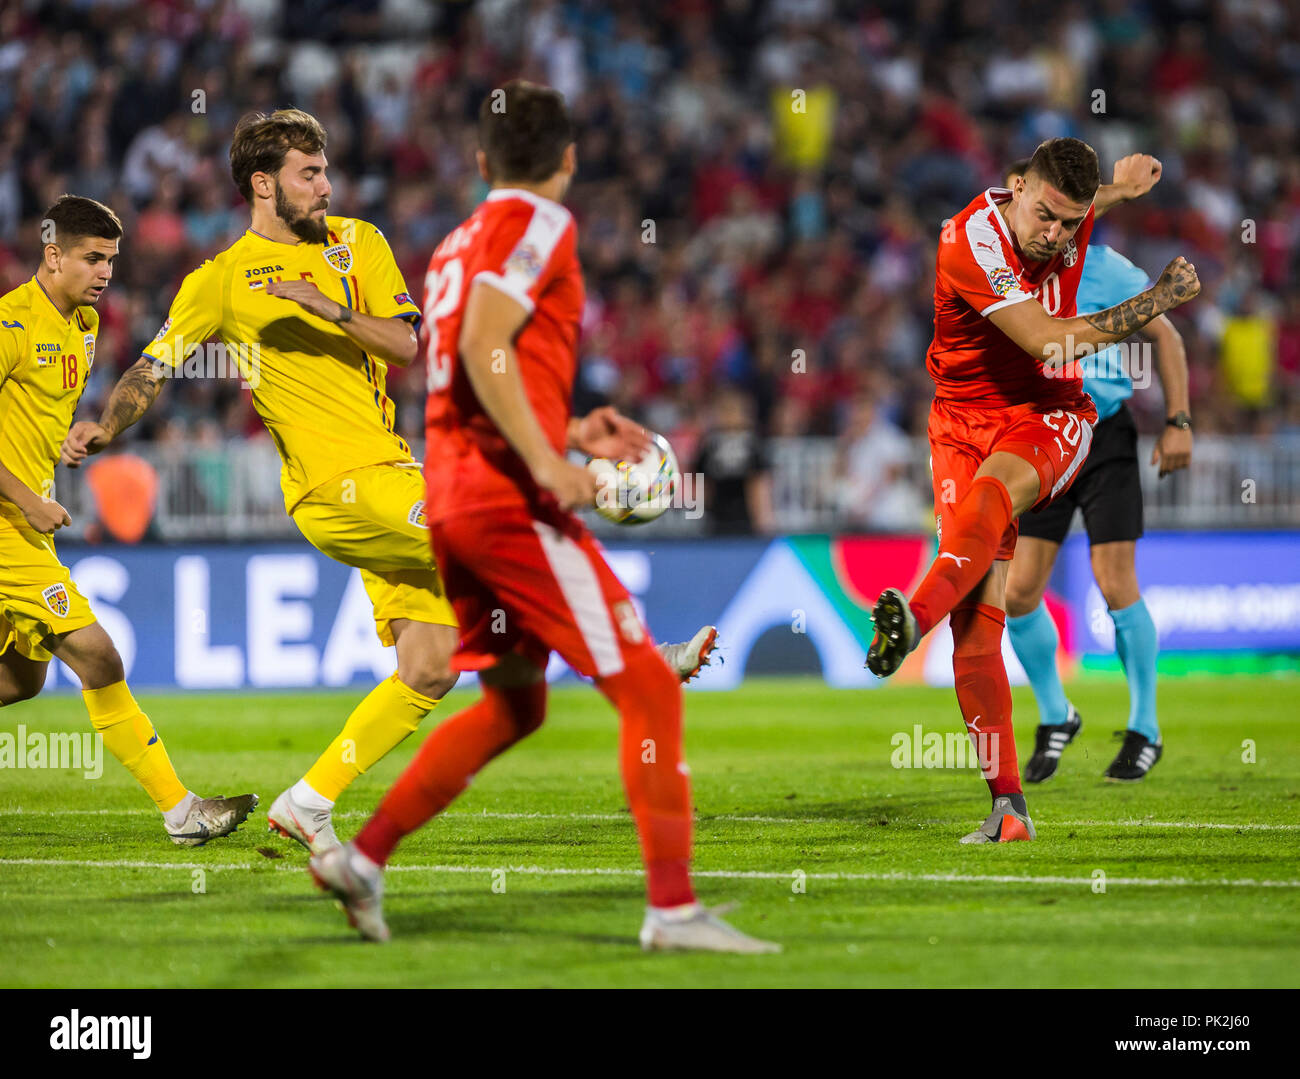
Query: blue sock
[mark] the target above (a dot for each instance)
(1135, 641)
(1035, 639)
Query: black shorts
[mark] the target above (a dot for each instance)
(1108, 490)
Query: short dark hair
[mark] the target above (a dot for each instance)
(75, 218)
(1069, 165)
(262, 142)
(523, 129)
(1017, 168)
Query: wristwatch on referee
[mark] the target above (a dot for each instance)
(1181, 420)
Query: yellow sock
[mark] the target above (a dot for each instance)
(390, 712)
(130, 737)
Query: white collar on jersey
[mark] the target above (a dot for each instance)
(540, 201)
(997, 214)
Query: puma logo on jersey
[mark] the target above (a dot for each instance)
(955, 558)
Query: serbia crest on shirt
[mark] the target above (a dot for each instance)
(979, 270)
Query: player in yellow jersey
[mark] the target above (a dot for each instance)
(314, 310)
(47, 347)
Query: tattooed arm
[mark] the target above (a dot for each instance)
(135, 391)
(1058, 341)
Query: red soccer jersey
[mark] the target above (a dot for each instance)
(527, 247)
(971, 361)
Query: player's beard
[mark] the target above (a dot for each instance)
(304, 226)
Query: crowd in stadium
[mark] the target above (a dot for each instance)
(759, 196)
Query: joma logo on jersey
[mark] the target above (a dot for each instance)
(56, 599)
(47, 354)
(339, 256)
(262, 270)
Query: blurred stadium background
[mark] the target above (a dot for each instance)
(723, 235)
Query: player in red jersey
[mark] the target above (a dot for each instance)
(1010, 425)
(502, 308)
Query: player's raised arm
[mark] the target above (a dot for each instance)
(1058, 341)
(135, 392)
(486, 346)
(1133, 177)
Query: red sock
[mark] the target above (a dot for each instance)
(448, 760)
(984, 693)
(970, 540)
(649, 701)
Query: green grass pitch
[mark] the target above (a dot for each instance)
(790, 778)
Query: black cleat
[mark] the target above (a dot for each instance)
(895, 633)
(1049, 740)
(1136, 757)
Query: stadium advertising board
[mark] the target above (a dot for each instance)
(284, 616)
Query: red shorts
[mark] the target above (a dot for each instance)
(522, 585)
(962, 438)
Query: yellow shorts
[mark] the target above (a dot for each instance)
(37, 596)
(373, 518)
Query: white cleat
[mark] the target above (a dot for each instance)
(358, 885)
(689, 657)
(698, 929)
(211, 818)
(311, 826)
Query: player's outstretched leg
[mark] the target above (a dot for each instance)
(688, 658)
(649, 701)
(984, 694)
(450, 757)
(190, 821)
(388, 715)
(968, 547)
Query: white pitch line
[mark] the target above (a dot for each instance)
(714, 874)
(88, 864)
(356, 814)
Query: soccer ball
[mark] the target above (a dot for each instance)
(634, 492)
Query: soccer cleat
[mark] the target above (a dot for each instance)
(1136, 757)
(698, 929)
(211, 818)
(312, 827)
(342, 872)
(689, 657)
(1049, 741)
(1003, 825)
(895, 633)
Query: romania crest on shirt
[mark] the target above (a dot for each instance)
(416, 516)
(89, 342)
(56, 599)
(340, 257)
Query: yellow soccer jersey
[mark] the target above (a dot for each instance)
(45, 360)
(321, 397)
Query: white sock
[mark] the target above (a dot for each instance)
(175, 816)
(683, 913)
(306, 795)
